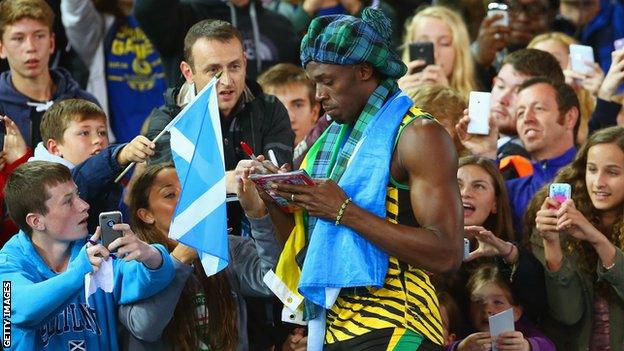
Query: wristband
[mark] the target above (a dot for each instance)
(344, 205)
(511, 247)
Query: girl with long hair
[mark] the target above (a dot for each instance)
(580, 243)
(453, 66)
(488, 224)
(196, 312)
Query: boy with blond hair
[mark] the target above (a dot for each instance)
(74, 134)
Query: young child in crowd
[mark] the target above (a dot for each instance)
(490, 294)
(451, 317)
(74, 134)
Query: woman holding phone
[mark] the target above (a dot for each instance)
(453, 65)
(487, 224)
(580, 243)
(196, 312)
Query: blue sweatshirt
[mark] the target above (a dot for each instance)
(49, 311)
(21, 109)
(522, 190)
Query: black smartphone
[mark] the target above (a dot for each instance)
(2, 134)
(421, 51)
(107, 220)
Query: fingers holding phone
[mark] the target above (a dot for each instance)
(421, 55)
(493, 34)
(129, 247)
(118, 238)
(422, 51)
(96, 252)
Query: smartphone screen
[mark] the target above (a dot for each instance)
(560, 192)
(106, 221)
(421, 51)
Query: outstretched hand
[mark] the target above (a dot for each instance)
(138, 150)
(249, 197)
(489, 244)
(129, 247)
(14, 144)
(483, 145)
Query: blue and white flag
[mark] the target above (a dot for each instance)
(200, 218)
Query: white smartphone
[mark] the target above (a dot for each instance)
(496, 8)
(619, 44)
(479, 112)
(581, 58)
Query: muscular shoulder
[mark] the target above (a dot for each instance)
(424, 135)
(423, 145)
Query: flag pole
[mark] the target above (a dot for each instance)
(162, 132)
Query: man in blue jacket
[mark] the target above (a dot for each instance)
(43, 267)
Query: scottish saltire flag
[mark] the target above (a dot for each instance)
(200, 218)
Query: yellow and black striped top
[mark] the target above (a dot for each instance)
(406, 301)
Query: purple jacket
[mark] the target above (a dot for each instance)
(522, 190)
(537, 340)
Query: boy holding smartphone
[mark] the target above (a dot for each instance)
(44, 266)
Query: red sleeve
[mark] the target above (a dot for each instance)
(8, 227)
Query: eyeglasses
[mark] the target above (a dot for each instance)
(533, 9)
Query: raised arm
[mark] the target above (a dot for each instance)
(252, 258)
(85, 27)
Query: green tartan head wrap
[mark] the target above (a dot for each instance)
(348, 40)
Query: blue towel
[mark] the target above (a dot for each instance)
(338, 257)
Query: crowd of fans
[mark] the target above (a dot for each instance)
(88, 84)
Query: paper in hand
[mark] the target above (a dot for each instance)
(500, 323)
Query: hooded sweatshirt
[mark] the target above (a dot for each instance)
(26, 112)
(49, 310)
(268, 37)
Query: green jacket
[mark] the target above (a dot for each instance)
(570, 294)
